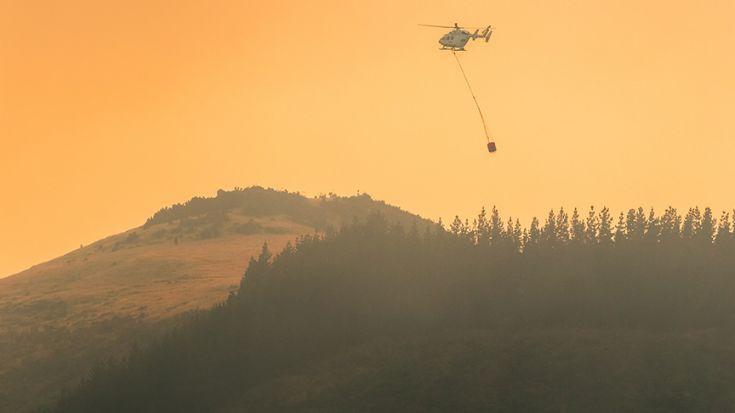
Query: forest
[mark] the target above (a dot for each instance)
(578, 312)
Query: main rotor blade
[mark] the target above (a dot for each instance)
(454, 27)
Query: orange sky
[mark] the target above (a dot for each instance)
(109, 112)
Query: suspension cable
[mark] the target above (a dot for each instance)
(484, 126)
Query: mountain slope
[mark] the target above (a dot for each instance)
(59, 317)
(377, 318)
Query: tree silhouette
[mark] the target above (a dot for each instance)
(605, 227)
(707, 227)
(577, 229)
(593, 226)
(620, 229)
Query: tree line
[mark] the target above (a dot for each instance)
(597, 227)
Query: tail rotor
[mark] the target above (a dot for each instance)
(487, 33)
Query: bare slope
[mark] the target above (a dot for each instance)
(59, 317)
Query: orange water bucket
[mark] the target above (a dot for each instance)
(491, 147)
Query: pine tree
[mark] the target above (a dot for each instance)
(605, 229)
(525, 239)
(692, 223)
(495, 227)
(265, 255)
(482, 228)
(707, 227)
(534, 233)
(724, 234)
(636, 224)
(549, 232)
(467, 231)
(670, 225)
(577, 230)
(256, 268)
(641, 223)
(517, 236)
(456, 228)
(508, 234)
(653, 227)
(593, 227)
(620, 229)
(630, 225)
(562, 226)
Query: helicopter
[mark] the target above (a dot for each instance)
(458, 38)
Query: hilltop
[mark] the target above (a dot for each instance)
(60, 317)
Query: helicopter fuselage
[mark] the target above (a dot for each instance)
(455, 40)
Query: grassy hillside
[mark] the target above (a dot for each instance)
(573, 318)
(60, 317)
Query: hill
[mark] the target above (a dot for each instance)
(60, 317)
(570, 316)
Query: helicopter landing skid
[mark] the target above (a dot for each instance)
(453, 49)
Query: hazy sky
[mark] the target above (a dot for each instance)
(110, 110)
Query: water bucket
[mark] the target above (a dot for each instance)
(491, 147)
